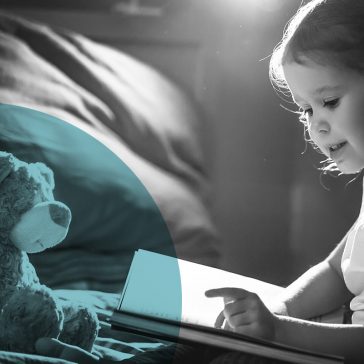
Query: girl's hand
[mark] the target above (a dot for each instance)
(244, 313)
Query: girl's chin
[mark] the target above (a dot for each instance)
(346, 168)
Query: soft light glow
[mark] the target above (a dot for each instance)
(253, 5)
(268, 5)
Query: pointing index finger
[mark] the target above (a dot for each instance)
(227, 292)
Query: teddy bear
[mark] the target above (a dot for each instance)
(30, 222)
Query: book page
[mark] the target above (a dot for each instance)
(174, 289)
(196, 279)
(153, 286)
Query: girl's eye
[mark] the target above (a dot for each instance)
(331, 103)
(308, 111)
(305, 114)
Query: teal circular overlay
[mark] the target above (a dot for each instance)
(112, 212)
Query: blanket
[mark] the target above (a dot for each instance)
(111, 344)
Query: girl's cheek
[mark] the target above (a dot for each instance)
(313, 139)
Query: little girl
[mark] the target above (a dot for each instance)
(320, 61)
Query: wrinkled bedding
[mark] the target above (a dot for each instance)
(149, 125)
(110, 344)
(134, 110)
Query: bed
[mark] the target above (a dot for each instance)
(124, 144)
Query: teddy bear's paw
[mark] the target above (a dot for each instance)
(30, 313)
(80, 327)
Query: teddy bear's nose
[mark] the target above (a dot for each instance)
(60, 214)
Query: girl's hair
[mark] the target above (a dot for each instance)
(324, 31)
(328, 32)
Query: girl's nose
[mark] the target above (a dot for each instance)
(320, 127)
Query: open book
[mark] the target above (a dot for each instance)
(164, 297)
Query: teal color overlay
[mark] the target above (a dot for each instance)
(111, 209)
(156, 274)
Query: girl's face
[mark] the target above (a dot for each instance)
(332, 101)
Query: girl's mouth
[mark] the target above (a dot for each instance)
(335, 148)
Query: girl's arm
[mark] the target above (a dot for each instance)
(342, 340)
(246, 314)
(318, 291)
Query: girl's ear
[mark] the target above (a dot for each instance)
(5, 165)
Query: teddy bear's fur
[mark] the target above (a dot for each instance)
(31, 221)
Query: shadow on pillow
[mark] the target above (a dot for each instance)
(111, 208)
(120, 202)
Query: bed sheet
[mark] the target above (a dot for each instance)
(111, 344)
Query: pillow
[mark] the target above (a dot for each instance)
(127, 157)
(111, 209)
(119, 201)
(69, 76)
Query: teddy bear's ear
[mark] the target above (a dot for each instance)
(5, 165)
(47, 173)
